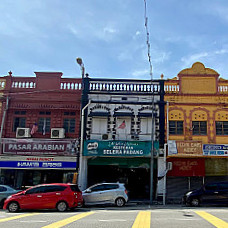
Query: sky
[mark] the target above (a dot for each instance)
(110, 37)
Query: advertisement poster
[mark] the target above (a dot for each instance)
(215, 150)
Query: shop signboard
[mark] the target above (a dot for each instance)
(119, 148)
(28, 162)
(215, 150)
(187, 167)
(185, 148)
(38, 147)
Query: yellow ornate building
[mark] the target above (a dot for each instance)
(197, 128)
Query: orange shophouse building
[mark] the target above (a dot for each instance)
(40, 119)
(197, 136)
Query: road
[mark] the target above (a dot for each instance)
(133, 216)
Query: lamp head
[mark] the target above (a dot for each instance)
(79, 61)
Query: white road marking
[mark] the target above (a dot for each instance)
(113, 220)
(33, 221)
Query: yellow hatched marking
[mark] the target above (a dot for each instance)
(64, 222)
(17, 217)
(142, 220)
(219, 223)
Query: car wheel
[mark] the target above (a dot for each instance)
(195, 202)
(120, 202)
(61, 206)
(13, 207)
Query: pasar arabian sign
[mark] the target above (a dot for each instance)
(189, 148)
(31, 148)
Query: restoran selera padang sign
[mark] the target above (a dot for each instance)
(118, 148)
(28, 147)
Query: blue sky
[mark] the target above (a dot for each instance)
(110, 37)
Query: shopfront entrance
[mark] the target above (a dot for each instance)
(25, 178)
(133, 172)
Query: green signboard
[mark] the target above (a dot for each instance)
(119, 148)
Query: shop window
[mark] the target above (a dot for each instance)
(44, 125)
(199, 127)
(20, 112)
(176, 127)
(69, 125)
(18, 122)
(221, 127)
(146, 126)
(69, 113)
(99, 125)
(45, 113)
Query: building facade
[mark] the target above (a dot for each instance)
(196, 129)
(118, 133)
(40, 122)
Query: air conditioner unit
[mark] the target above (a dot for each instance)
(57, 133)
(106, 136)
(23, 132)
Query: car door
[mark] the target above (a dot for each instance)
(51, 195)
(32, 199)
(210, 194)
(93, 195)
(109, 193)
(223, 192)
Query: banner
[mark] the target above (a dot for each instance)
(187, 167)
(185, 148)
(215, 150)
(38, 147)
(33, 162)
(119, 148)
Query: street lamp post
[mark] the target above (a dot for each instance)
(82, 161)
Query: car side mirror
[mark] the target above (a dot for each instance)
(88, 191)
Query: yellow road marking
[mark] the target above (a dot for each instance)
(219, 223)
(64, 222)
(142, 220)
(17, 217)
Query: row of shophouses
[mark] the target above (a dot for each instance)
(89, 130)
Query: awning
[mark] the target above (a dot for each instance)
(122, 162)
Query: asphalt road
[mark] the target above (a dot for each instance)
(133, 216)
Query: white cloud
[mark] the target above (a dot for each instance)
(140, 73)
(109, 30)
(189, 60)
(137, 33)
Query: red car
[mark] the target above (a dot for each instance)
(46, 196)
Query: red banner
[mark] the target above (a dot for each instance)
(187, 167)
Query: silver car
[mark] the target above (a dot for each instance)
(6, 191)
(105, 193)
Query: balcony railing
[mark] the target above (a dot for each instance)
(30, 83)
(124, 87)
